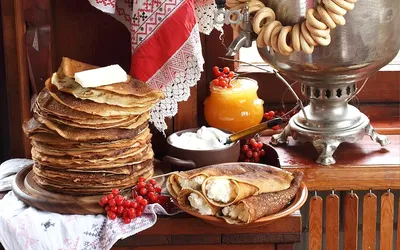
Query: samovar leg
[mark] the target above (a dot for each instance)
(381, 139)
(326, 150)
(281, 138)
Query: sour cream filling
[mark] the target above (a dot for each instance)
(193, 183)
(219, 190)
(236, 212)
(205, 138)
(199, 204)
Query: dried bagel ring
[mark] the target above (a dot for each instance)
(334, 7)
(326, 17)
(274, 37)
(255, 6)
(263, 17)
(307, 35)
(260, 38)
(312, 18)
(323, 41)
(344, 4)
(308, 49)
(338, 19)
(351, 1)
(282, 40)
(268, 31)
(317, 32)
(296, 37)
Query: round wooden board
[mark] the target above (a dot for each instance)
(30, 193)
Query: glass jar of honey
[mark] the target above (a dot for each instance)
(234, 108)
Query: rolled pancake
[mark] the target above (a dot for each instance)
(69, 85)
(229, 189)
(194, 178)
(255, 207)
(91, 107)
(194, 200)
(83, 134)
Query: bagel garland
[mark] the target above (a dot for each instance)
(314, 31)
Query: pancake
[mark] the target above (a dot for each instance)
(88, 183)
(83, 134)
(68, 85)
(53, 140)
(47, 105)
(91, 107)
(61, 163)
(134, 87)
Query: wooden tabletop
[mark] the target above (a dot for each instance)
(359, 166)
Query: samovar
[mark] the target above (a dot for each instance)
(369, 40)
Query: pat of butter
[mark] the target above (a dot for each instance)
(101, 76)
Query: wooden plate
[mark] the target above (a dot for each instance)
(298, 202)
(30, 193)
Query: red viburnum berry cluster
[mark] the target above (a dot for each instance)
(251, 151)
(224, 77)
(144, 193)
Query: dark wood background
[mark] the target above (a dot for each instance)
(76, 29)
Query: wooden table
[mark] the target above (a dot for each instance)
(186, 232)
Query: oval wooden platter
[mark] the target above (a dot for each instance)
(297, 203)
(30, 193)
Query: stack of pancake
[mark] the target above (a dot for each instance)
(89, 140)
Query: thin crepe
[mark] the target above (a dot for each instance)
(255, 207)
(257, 180)
(184, 202)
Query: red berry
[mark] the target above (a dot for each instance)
(255, 155)
(226, 70)
(111, 202)
(125, 213)
(149, 185)
(126, 203)
(223, 83)
(245, 148)
(153, 182)
(143, 191)
(271, 113)
(151, 189)
(107, 207)
(110, 196)
(138, 213)
(262, 152)
(104, 200)
(256, 159)
(139, 198)
(113, 209)
(247, 160)
(119, 199)
(256, 150)
(158, 189)
(142, 179)
(249, 154)
(115, 191)
(127, 220)
(266, 116)
(143, 202)
(275, 127)
(134, 204)
(131, 213)
(259, 144)
(253, 143)
(216, 71)
(111, 215)
(231, 74)
(141, 184)
(120, 209)
(151, 196)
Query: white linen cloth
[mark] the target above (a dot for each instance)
(27, 228)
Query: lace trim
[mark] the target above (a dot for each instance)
(182, 71)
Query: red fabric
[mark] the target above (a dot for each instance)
(170, 36)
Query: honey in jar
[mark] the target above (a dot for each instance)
(234, 108)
